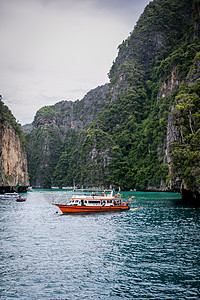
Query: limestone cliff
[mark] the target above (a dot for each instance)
(77, 115)
(56, 126)
(13, 159)
(183, 132)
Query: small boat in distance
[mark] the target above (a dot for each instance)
(21, 199)
(67, 187)
(14, 196)
(93, 203)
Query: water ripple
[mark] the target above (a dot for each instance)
(151, 253)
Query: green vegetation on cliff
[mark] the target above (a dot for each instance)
(43, 140)
(126, 143)
(7, 116)
(186, 154)
(47, 112)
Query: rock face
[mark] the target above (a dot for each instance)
(183, 131)
(54, 127)
(76, 115)
(156, 59)
(13, 160)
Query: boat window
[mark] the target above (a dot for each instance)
(93, 202)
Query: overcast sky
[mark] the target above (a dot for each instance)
(53, 50)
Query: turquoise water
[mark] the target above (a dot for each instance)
(148, 253)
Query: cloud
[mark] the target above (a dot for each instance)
(59, 49)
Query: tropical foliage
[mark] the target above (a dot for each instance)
(7, 116)
(186, 154)
(157, 69)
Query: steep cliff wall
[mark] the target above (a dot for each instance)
(54, 128)
(183, 135)
(181, 88)
(148, 76)
(67, 115)
(13, 159)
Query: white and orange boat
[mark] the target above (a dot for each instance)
(93, 203)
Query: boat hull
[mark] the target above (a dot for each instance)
(68, 209)
(21, 199)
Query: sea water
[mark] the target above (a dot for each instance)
(149, 252)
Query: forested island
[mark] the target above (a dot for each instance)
(141, 130)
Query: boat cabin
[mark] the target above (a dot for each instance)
(11, 195)
(90, 202)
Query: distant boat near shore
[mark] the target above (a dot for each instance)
(13, 196)
(30, 189)
(21, 199)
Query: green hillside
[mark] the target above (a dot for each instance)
(146, 134)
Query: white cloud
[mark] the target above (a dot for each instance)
(58, 49)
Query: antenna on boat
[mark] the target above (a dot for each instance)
(53, 199)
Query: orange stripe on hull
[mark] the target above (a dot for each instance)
(67, 209)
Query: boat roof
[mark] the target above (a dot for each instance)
(91, 197)
(14, 193)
